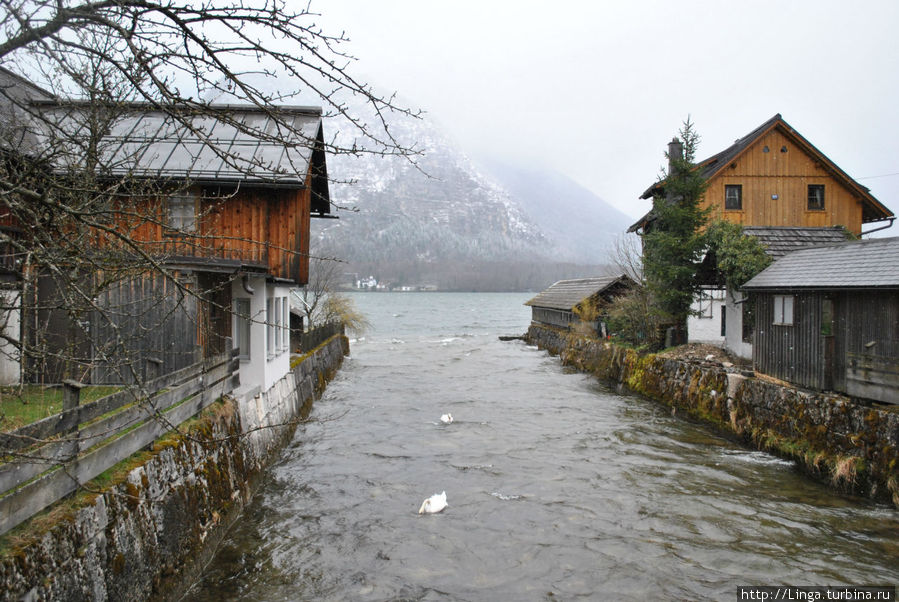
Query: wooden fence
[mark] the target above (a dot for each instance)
(50, 459)
(313, 338)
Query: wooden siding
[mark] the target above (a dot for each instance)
(865, 343)
(143, 327)
(787, 175)
(264, 228)
(149, 327)
(552, 317)
(862, 318)
(794, 353)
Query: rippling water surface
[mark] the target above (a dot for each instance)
(558, 488)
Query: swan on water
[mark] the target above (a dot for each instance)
(446, 418)
(433, 504)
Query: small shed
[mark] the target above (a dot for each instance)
(557, 305)
(827, 318)
(777, 242)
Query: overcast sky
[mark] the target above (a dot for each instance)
(596, 89)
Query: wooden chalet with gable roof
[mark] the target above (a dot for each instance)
(224, 204)
(773, 176)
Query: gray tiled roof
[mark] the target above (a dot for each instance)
(229, 144)
(15, 94)
(566, 294)
(872, 263)
(780, 240)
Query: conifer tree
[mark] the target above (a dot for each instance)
(673, 245)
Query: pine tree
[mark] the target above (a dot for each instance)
(673, 246)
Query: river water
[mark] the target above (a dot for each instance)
(558, 488)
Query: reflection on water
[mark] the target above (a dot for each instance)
(558, 488)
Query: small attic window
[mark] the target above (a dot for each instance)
(765, 149)
(733, 197)
(816, 197)
(182, 213)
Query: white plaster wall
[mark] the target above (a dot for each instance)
(704, 329)
(277, 365)
(11, 321)
(252, 370)
(734, 340)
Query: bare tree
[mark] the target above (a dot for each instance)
(633, 317)
(321, 300)
(69, 185)
(92, 255)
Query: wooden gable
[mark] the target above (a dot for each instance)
(774, 173)
(774, 166)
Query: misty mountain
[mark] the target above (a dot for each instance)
(580, 225)
(446, 222)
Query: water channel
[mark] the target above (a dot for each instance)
(558, 488)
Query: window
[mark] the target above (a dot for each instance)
(271, 329)
(733, 197)
(285, 324)
(705, 305)
(241, 327)
(816, 197)
(783, 309)
(182, 213)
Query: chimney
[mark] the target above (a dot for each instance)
(675, 153)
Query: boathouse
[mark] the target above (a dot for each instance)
(827, 318)
(578, 303)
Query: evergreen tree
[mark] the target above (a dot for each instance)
(673, 245)
(738, 257)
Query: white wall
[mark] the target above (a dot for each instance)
(707, 327)
(11, 323)
(278, 363)
(734, 340)
(265, 365)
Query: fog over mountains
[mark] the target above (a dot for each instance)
(456, 225)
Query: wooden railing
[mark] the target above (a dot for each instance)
(313, 338)
(49, 459)
(873, 377)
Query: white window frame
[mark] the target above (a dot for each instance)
(783, 309)
(242, 327)
(270, 327)
(285, 324)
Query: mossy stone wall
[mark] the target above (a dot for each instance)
(852, 445)
(147, 535)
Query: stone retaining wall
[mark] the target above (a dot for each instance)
(852, 445)
(149, 535)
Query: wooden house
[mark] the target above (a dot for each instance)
(827, 318)
(773, 176)
(567, 303)
(770, 178)
(223, 205)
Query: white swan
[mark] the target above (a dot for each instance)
(446, 419)
(433, 504)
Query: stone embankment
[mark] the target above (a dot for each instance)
(148, 533)
(849, 444)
